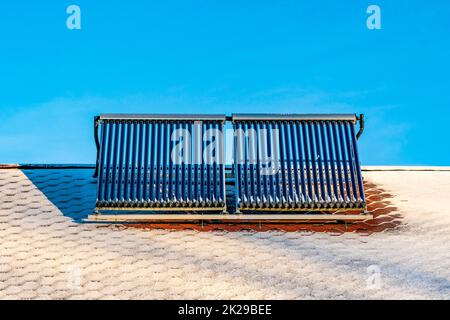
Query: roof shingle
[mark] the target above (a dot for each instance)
(47, 252)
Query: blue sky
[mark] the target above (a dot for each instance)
(224, 57)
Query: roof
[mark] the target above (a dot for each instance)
(47, 251)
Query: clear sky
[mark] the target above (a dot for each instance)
(224, 57)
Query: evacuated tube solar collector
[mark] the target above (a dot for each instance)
(282, 163)
(297, 162)
(138, 166)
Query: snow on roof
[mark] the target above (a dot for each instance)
(47, 252)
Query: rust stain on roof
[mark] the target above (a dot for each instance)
(384, 213)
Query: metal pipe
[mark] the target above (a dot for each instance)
(335, 197)
(361, 126)
(107, 164)
(133, 198)
(202, 167)
(305, 117)
(100, 180)
(120, 165)
(152, 188)
(165, 145)
(216, 190)
(303, 194)
(329, 195)
(245, 166)
(263, 162)
(274, 156)
(160, 163)
(97, 145)
(298, 189)
(145, 182)
(139, 196)
(181, 117)
(171, 166)
(310, 197)
(270, 155)
(350, 162)
(341, 199)
(259, 185)
(188, 149)
(345, 167)
(237, 166)
(126, 191)
(284, 165)
(251, 159)
(319, 158)
(313, 158)
(113, 195)
(358, 168)
(222, 186)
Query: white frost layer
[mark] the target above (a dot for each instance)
(44, 254)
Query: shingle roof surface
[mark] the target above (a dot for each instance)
(47, 252)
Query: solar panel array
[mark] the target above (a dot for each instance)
(152, 162)
(176, 162)
(297, 164)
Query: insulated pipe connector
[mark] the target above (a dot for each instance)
(361, 125)
(97, 144)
